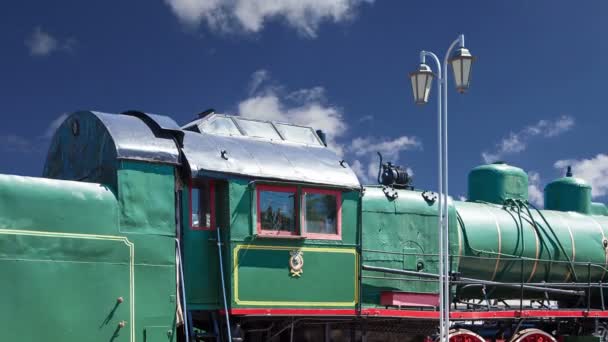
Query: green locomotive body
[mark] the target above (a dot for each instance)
(143, 230)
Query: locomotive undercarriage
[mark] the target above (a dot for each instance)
(386, 329)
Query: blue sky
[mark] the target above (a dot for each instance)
(536, 99)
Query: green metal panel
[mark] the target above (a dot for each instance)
(257, 268)
(66, 286)
(262, 277)
(49, 205)
(65, 260)
(402, 234)
(201, 267)
(495, 183)
(568, 194)
(147, 198)
(158, 334)
(598, 209)
(497, 239)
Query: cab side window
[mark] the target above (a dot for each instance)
(299, 212)
(277, 214)
(202, 205)
(321, 214)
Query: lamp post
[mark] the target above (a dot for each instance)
(422, 79)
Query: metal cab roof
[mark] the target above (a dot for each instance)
(134, 139)
(258, 157)
(157, 138)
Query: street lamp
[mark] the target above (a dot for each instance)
(421, 83)
(461, 61)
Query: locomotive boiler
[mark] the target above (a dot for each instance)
(233, 229)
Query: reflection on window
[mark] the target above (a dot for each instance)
(258, 129)
(276, 210)
(302, 135)
(202, 206)
(221, 125)
(321, 213)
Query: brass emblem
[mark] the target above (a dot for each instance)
(296, 263)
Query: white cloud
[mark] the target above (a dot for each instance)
(535, 192)
(306, 107)
(517, 142)
(50, 130)
(388, 147)
(15, 143)
(41, 43)
(366, 118)
(251, 15)
(368, 174)
(593, 170)
(257, 78)
(367, 148)
(310, 107)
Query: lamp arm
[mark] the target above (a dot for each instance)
(434, 57)
(460, 42)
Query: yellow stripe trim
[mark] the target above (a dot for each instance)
(238, 301)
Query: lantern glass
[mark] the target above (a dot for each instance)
(421, 79)
(461, 66)
(466, 71)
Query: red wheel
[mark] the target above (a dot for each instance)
(532, 335)
(464, 335)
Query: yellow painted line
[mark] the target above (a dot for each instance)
(537, 254)
(599, 226)
(235, 257)
(459, 239)
(122, 239)
(569, 274)
(499, 243)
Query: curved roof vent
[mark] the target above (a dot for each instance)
(568, 194)
(497, 182)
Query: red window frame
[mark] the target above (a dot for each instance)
(277, 233)
(321, 236)
(211, 205)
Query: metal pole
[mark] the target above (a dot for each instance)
(219, 251)
(178, 249)
(446, 221)
(442, 203)
(423, 54)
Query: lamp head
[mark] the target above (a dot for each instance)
(461, 62)
(422, 80)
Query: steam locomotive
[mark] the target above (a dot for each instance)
(233, 229)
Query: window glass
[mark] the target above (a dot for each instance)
(201, 206)
(277, 211)
(302, 135)
(321, 213)
(220, 125)
(258, 129)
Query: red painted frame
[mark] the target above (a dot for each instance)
(276, 233)
(211, 205)
(320, 236)
(419, 314)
